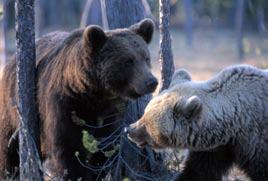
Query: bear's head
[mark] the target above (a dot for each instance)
(122, 59)
(169, 118)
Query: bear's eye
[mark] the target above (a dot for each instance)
(129, 62)
(147, 60)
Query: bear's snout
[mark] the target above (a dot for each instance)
(128, 130)
(151, 84)
(147, 86)
(137, 135)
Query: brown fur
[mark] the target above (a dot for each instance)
(78, 71)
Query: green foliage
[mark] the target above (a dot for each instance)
(111, 152)
(89, 142)
(126, 179)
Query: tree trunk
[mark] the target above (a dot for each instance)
(166, 57)
(30, 164)
(240, 11)
(147, 10)
(123, 13)
(2, 41)
(38, 17)
(188, 22)
(92, 13)
(5, 29)
(261, 17)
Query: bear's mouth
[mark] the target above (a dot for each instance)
(131, 93)
(134, 95)
(139, 143)
(154, 146)
(143, 143)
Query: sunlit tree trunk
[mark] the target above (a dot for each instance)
(166, 56)
(27, 109)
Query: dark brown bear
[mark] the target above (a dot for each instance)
(77, 72)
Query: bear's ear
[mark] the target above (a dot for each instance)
(192, 107)
(145, 29)
(180, 76)
(188, 109)
(94, 37)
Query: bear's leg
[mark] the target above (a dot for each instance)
(207, 165)
(257, 167)
(63, 142)
(3, 155)
(9, 159)
(65, 165)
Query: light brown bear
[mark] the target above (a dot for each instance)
(222, 121)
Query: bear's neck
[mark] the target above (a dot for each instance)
(79, 74)
(216, 125)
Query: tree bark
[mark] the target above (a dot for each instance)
(124, 13)
(38, 17)
(261, 17)
(188, 22)
(2, 41)
(25, 65)
(5, 30)
(240, 11)
(166, 56)
(92, 13)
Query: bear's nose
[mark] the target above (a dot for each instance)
(128, 130)
(152, 84)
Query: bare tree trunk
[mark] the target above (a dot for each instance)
(5, 29)
(166, 56)
(148, 11)
(29, 124)
(123, 13)
(240, 11)
(2, 39)
(104, 15)
(214, 12)
(261, 17)
(92, 13)
(39, 18)
(189, 22)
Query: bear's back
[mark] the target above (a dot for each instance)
(49, 43)
(44, 47)
(243, 80)
(245, 89)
